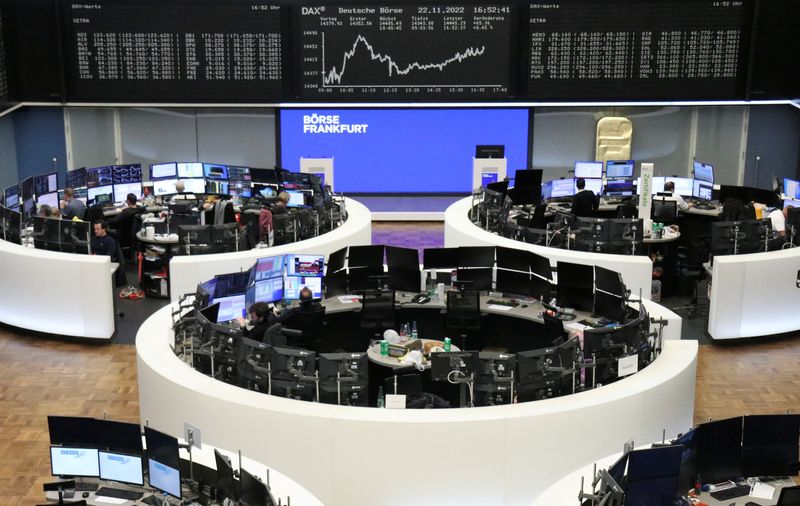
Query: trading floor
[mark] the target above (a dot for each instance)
(46, 376)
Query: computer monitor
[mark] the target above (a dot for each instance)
(789, 496)
(547, 190)
(513, 259)
(11, 195)
(194, 185)
(239, 173)
(769, 444)
(243, 189)
(45, 183)
(336, 260)
(76, 178)
(438, 258)
(401, 258)
(161, 447)
(124, 174)
(72, 431)
(476, 256)
(266, 176)
(366, 256)
(619, 188)
(99, 176)
(50, 199)
(791, 188)
(121, 191)
(74, 461)
(454, 365)
(287, 363)
(163, 187)
(609, 281)
(215, 171)
(225, 477)
(121, 467)
(593, 170)
(234, 283)
(343, 367)
(231, 307)
(254, 492)
(619, 169)
(293, 285)
(217, 188)
(189, 169)
(703, 171)
(305, 265)
(684, 186)
(478, 279)
(28, 208)
(575, 285)
(513, 282)
(702, 190)
(490, 151)
(653, 476)
(596, 185)
(540, 266)
(296, 198)
(405, 280)
(609, 306)
(265, 290)
(562, 188)
(100, 194)
(268, 267)
(164, 478)
(124, 437)
(718, 447)
(524, 178)
(163, 171)
(533, 363)
(488, 178)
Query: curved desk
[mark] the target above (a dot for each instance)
(757, 294)
(84, 306)
(489, 455)
(637, 271)
(186, 272)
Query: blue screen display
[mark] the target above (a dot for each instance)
(402, 151)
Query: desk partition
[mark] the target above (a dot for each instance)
(57, 293)
(755, 295)
(186, 272)
(636, 271)
(504, 455)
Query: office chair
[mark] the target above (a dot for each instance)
(463, 314)
(404, 381)
(512, 231)
(627, 210)
(377, 311)
(790, 496)
(664, 211)
(311, 325)
(306, 224)
(283, 228)
(554, 330)
(691, 271)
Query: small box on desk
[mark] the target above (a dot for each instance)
(404, 346)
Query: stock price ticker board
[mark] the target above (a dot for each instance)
(612, 49)
(176, 50)
(402, 52)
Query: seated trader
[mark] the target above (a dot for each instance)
(122, 224)
(102, 243)
(72, 207)
(584, 203)
(669, 187)
(778, 219)
(261, 318)
(46, 211)
(307, 305)
(280, 206)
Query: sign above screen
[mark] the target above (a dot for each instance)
(402, 150)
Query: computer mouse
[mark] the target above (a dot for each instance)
(523, 306)
(85, 495)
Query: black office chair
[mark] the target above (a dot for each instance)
(463, 315)
(627, 209)
(554, 330)
(404, 381)
(311, 325)
(377, 311)
(790, 496)
(664, 210)
(283, 226)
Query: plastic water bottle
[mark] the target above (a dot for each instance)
(414, 330)
(380, 397)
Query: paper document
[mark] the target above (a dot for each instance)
(498, 307)
(109, 500)
(628, 365)
(762, 491)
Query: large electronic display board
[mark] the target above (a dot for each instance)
(180, 50)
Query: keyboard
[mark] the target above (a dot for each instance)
(731, 493)
(118, 493)
(704, 207)
(502, 302)
(85, 486)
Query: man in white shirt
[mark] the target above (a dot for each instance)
(778, 219)
(669, 187)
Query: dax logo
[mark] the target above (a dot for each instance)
(313, 11)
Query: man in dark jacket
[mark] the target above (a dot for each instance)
(584, 203)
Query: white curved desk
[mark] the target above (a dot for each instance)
(186, 272)
(757, 294)
(84, 305)
(366, 456)
(637, 271)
